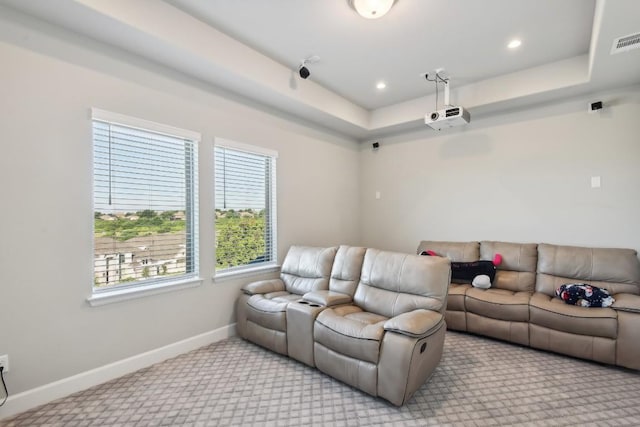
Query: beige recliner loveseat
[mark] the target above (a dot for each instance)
(373, 319)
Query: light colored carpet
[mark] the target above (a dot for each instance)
(480, 382)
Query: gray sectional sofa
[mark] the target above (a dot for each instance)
(369, 318)
(521, 305)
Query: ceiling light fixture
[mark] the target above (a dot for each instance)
(381, 85)
(371, 9)
(514, 44)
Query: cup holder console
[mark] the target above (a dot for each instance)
(310, 304)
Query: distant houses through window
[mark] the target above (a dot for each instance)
(145, 202)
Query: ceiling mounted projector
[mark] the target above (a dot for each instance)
(447, 118)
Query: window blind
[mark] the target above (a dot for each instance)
(145, 206)
(245, 208)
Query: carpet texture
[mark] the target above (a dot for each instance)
(480, 382)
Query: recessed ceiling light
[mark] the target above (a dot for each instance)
(514, 44)
(381, 85)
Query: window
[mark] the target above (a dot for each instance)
(145, 201)
(245, 206)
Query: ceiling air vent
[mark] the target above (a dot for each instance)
(623, 44)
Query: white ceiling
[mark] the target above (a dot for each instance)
(253, 47)
(467, 38)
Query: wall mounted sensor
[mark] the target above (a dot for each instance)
(594, 107)
(303, 70)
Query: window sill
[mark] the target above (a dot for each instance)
(245, 272)
(125, 294)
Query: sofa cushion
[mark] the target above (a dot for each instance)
(350, 331)
(345, 273)
(517, 271)
(616, 270)
(393, 283)
(306, 269)
(553, 313)
(500, 304)
(269, 310)
(455, 299)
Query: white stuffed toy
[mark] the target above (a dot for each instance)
(481, 281)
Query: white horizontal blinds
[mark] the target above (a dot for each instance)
(245, 220)
(145, 200)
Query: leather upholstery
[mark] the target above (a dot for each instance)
(307, 269)
(417, 324)
(345, 273)
(459, 252)
(521, 305)
(499, 304)
(616, 270)
(517, 271)
(370, 318)
(327, 298)
(598, 349)
(301, 316)
(628, 343)
(455, 299)
(355, 372)
(507, 330)
(351, 332)
(397, 308)
(553, 313)
(455, 251)
(394, 283)
(627, 302)
(264, 286)
(269, 313)
(406, 363)
(262, 318)
(456, 320)
(502, 311)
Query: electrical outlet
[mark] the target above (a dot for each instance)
(4, 361)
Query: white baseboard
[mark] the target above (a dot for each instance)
(40, 395)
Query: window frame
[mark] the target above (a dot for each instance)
(248, 270)
(128, 290)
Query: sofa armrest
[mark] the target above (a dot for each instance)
(264, 287)
(416, 323)
(327, 298)
(627, 302)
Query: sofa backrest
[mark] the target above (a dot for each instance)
(455, 251)
(614, 269)
(517, 271)
(393, 283)
(307, 269)
(345, 273)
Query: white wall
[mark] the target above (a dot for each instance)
(48, 82)
(522, 177)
